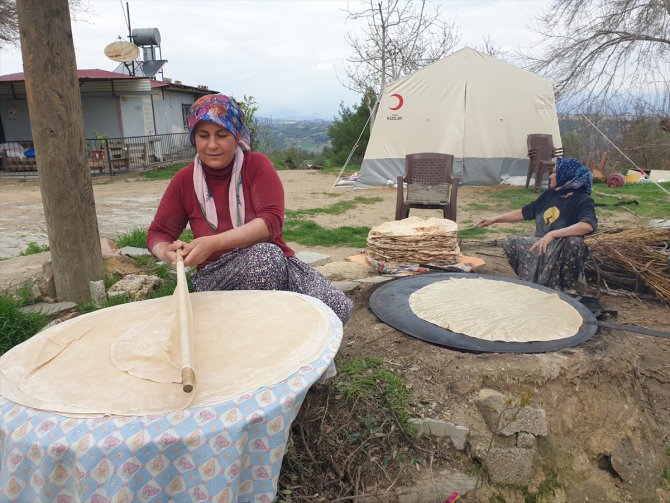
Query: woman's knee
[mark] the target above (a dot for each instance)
(264, 255)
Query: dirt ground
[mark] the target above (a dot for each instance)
(607, 401)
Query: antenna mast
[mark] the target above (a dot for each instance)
(131, 66)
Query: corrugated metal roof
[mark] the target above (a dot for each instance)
(91, 82)
(94, 82)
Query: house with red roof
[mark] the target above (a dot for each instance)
(129, 121)
(114, 105)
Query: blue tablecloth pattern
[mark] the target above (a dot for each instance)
(231, 452)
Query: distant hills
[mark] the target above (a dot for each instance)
(311, 135)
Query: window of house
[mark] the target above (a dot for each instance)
(185, 109)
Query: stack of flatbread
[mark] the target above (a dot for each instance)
(415, 240)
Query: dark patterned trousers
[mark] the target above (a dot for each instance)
(559, 268)
(264, 266)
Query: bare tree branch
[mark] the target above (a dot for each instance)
(9, 24)
(599, 49)
(398, 38)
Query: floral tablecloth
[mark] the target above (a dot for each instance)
(231, 452)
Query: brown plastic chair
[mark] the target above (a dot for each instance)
(541, 151)
(430, 184)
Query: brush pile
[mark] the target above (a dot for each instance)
(632, 258)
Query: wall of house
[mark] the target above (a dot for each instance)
(168, 111)
(137, 116)
(15, 119)
(101, 116)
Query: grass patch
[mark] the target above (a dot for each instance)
(365, 379)
(334, 209)
(479, 206)
(310, 233)
(17, 326)
(473, 233)
(137, 238)
(652, 202)
(165, 173)
(512, 197)
(334, 170)
(32, 248)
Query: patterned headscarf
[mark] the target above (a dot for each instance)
(222, 111)
(572, 175)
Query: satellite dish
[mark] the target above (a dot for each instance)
(122, 51)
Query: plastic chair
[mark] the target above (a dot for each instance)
(430, 184)
(541, 151)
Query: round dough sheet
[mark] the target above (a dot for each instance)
(243, 340)
(390, 303)
(495, 310)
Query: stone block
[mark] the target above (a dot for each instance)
(134, 285)
(503, 417)
(480, 443)
(439, 428)
(346, 286)
(525, 440)
(511, 466)
(313, 259)
(132, 251)
(49, 309)
(98, 293)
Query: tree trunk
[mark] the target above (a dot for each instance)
(57, 124)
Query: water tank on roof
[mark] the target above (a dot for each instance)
(146, 36)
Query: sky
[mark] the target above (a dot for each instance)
(289, 55)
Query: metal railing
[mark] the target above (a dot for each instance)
(108, 156)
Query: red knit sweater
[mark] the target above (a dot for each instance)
(263, 198)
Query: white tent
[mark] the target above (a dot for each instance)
(473, 106)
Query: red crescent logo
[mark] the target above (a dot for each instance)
(400, 102)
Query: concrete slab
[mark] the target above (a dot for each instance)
(48, 309)
(313, 259)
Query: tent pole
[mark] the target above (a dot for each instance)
(350, 154)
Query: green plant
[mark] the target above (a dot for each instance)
(137, 238)
(24, 295)
(32, 248)
(15, 325)
(365, 379)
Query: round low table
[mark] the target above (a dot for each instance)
(390, 303)
(230, 452)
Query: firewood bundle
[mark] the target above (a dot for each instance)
(632, 258)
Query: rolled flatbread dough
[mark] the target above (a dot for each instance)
(244, 340)
(495, 310)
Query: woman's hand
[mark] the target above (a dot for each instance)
(200, 249)
(485, 222)
(542, 243)
(167, 252)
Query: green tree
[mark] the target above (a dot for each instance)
(249, 107)
(346, 129)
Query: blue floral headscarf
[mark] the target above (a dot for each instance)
(572, 175)
(222, 111)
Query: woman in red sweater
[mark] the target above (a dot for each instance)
(233, 200)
